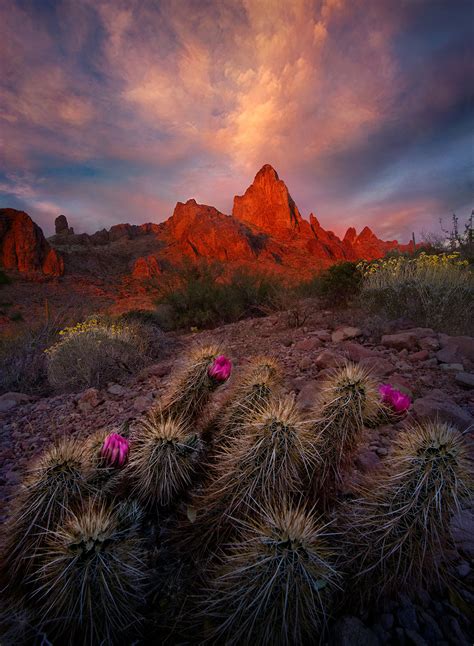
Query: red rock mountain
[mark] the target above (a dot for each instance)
(265, 230)
(23, 246)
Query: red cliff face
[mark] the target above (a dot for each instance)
(24, 247)
(202, 231)
(268, 205)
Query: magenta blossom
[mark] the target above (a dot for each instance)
(398, 401)
(115, 450)
(220, 368)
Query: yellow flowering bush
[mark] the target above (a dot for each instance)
(95, 351)
(436, 290)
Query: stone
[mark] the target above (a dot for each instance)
(387, 620)
(116, 389)
(407, 618)
(142, 403)
(378, 365)
(328, 359)
(430, 343)
(146, 267)
(305, 363)
(357, 351)
(463, 569)
(308, 345)
(323, 335)
(155, 370)
(350, 631)
(452, 367)
(465, 379)
(438, 405)
(7, 404)
(462, 530)
(421, 355)
(307, 395)
(414, 638)
(429, 628)
(456, 348)
(367, 460)
(89, 399)
(344, 333)
(400, 341)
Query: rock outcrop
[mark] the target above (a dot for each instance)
(266, 230)
(23, 246)
(268, 205)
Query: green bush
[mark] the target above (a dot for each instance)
(4, 279)
(97, 351)
(202, 296)
(435, 290)
(336, 286)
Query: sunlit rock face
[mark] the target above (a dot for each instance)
(23, 246)
(268, 205)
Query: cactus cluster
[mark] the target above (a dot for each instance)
(248, 503)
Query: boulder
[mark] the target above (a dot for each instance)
(350, 631)
(465, 379)
(401, 341)
(438, 405)
(345, 333)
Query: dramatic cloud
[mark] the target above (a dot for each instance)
(113, 110)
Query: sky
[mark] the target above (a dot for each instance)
(113, 110)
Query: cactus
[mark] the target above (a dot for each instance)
(54, 482)
(399, 530)
(273, 456)
(204, 370)
(105, 468)
(275, 584)
(165, 455)
(93, 579)
(253, 390)
(348, 398)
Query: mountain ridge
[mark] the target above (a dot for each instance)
(265, 228)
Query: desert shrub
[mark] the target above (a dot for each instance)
(97, 351)
(202, 296)
(436, 290)
(23, 362)
(4, 279)
(337, 285)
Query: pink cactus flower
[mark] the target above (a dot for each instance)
(220, 368)
(115, 450)
(398, 401)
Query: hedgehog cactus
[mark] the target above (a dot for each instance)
(400, 528)
(275, 584)
(348, 398)
(253, 390)
(54, 482)
(165, 456)
(92, 579)
(273, 456)
(204, 370)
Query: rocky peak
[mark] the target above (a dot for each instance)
(351, 235)
(366, 235)
(62, 227)
(268, 205)
(23, 246)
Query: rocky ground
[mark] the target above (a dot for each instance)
(437, 370)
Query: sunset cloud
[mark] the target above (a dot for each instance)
(114, 110)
